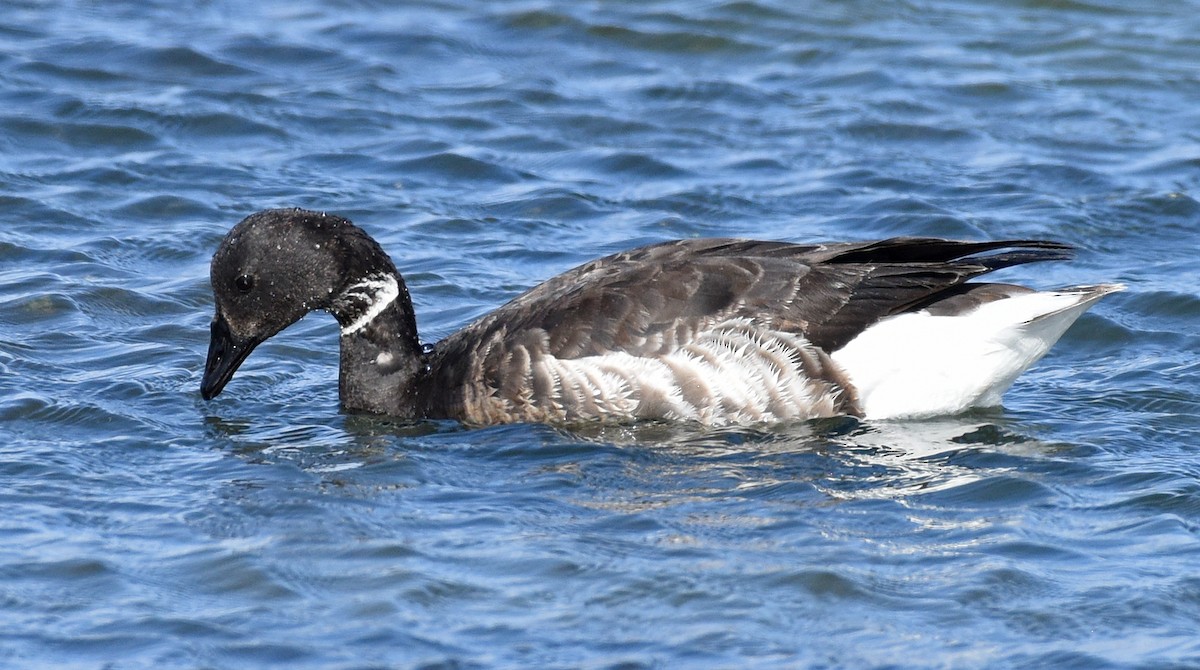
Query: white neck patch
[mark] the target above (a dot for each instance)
(378, 291)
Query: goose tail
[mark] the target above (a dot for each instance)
(922, 363)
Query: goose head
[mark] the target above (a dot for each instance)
(277, 265)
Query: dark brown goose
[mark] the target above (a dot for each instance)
(709, 330)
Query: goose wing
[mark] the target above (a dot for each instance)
(641, 300)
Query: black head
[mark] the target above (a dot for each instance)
(271, 269)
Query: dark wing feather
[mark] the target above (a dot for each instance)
(897, 275)
(627, 301)
(647, 300)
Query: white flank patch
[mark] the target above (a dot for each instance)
(919, 365)
(734, 372)
(378, 291)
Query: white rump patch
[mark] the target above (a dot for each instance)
(919, 365)
(378, 291)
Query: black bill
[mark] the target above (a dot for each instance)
(225, 354)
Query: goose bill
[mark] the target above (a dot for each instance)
(225, 354)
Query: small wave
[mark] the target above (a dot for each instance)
(672, 42)
(454, 167)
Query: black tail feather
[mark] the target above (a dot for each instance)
(1006, 259)
(934, 250)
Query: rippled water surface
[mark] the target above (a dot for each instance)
(491, 145)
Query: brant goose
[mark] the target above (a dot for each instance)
(709, 330)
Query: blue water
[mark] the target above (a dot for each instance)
(489, 146)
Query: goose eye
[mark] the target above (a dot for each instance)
(244, 283)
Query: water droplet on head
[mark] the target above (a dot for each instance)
(427, 348)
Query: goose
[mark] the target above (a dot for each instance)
(715, 331)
